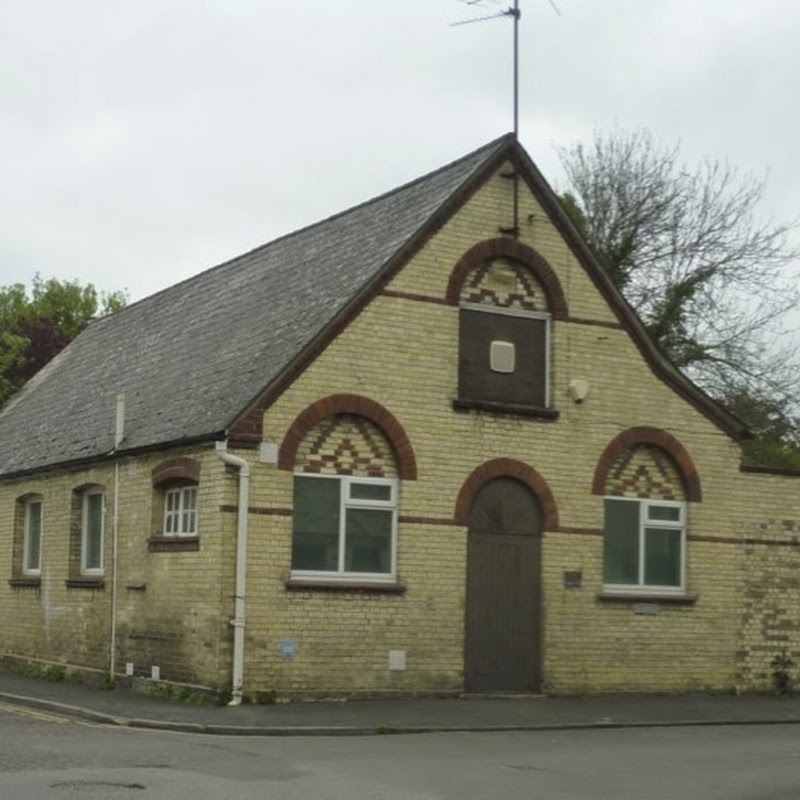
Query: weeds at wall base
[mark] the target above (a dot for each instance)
(781, 672)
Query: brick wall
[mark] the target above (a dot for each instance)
(172, 607)
(401, 354)
(590, 644)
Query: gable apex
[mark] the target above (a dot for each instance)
(199, 359)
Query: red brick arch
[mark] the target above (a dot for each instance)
(176, 469)
(657, 438)
(509, 248)
(350, 404)
(507, 468)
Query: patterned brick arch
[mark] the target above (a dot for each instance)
(507, 468)
(359, 406)
(657, 438)
(509, 248)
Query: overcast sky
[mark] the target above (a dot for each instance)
(146, 140)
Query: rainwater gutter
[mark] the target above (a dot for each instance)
(238, 621)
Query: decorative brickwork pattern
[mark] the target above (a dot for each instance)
(645, 471)
(357, 405)
(504, 282)
(645, 435)
(346, 444)
(481, 256)
(770, 600)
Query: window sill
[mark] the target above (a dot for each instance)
(320, 584)
(25, 581)
(519, 409)
(647, 597)
(173, 544)
(85, 582)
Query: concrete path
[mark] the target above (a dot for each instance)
(122, 706)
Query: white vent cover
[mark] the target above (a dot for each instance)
(502, 356)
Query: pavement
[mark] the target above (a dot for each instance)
(126, 707)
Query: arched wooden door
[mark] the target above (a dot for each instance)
(503, 609)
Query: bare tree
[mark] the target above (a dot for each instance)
(711, 279)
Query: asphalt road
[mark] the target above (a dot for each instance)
(47, 758)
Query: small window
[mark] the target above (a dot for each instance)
(180, 511)
(86, 537)
(344, 527)
(32, 539)
(644, 545)
(92, 527)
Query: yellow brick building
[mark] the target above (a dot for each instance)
(423, 446)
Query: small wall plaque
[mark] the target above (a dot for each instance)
(288, 649)
(573, 579)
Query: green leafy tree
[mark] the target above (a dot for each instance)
(35, 327)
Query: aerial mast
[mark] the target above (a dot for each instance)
(515, 13)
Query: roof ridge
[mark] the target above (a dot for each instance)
(233, 328)
(493, 145)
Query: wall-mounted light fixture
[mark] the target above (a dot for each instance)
(578, 389)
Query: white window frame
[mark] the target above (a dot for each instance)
(181, 491)
(85, 568)
(346, 502)
(486, 308)
(645, 522)
(27, 567)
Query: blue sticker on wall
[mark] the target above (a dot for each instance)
(288, 649)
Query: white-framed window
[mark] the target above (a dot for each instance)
(644, 545)
(344, 527)
(32, 537)
(180, 510)
(92, 527)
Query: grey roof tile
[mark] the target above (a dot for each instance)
(193, 356)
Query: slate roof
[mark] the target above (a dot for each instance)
(195, 357)
(192, 357)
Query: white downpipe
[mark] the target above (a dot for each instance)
(119, 436)
(112, 661)
(239, 616)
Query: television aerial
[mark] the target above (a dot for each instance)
(515, 14)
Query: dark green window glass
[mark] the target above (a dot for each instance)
(33, 535)
(368, 540)
(662, 557)
(621, 542)
(315, 538)
(93, 531)
(370, 491)
(668, 513)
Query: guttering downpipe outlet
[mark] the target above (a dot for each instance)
(239, 616)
